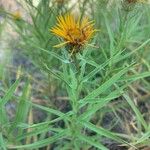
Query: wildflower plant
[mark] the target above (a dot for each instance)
(90, 81)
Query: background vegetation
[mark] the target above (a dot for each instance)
(97, 100)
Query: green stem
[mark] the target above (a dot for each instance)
(74, 97)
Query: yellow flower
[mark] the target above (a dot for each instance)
(75, 33)
(16, 15)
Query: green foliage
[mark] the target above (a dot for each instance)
(99, 80)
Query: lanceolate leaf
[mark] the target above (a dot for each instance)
(22, 108)
(103, 132)
(41, 143)
(90, 141)
(5, 99)
(106, 84)
(10, 92)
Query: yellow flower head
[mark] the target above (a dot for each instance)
(16, 15)
(75, 33)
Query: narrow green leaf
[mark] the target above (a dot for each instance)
(144, 138)
(136, 111)
(103, 132)
(23, 108)
(3, 114)
(54, 55)
(92, 142)
(97, 106)
(37, 131)
(136, 77)
(56, 75)
(25, 126)
(106, 84)
(110, 33)
(132, 52)
(96, 70)
(102, 101)
(49, 110)
(10, 92)
(4, 100)
(2, 143)
(41, 143)
(100, 67)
